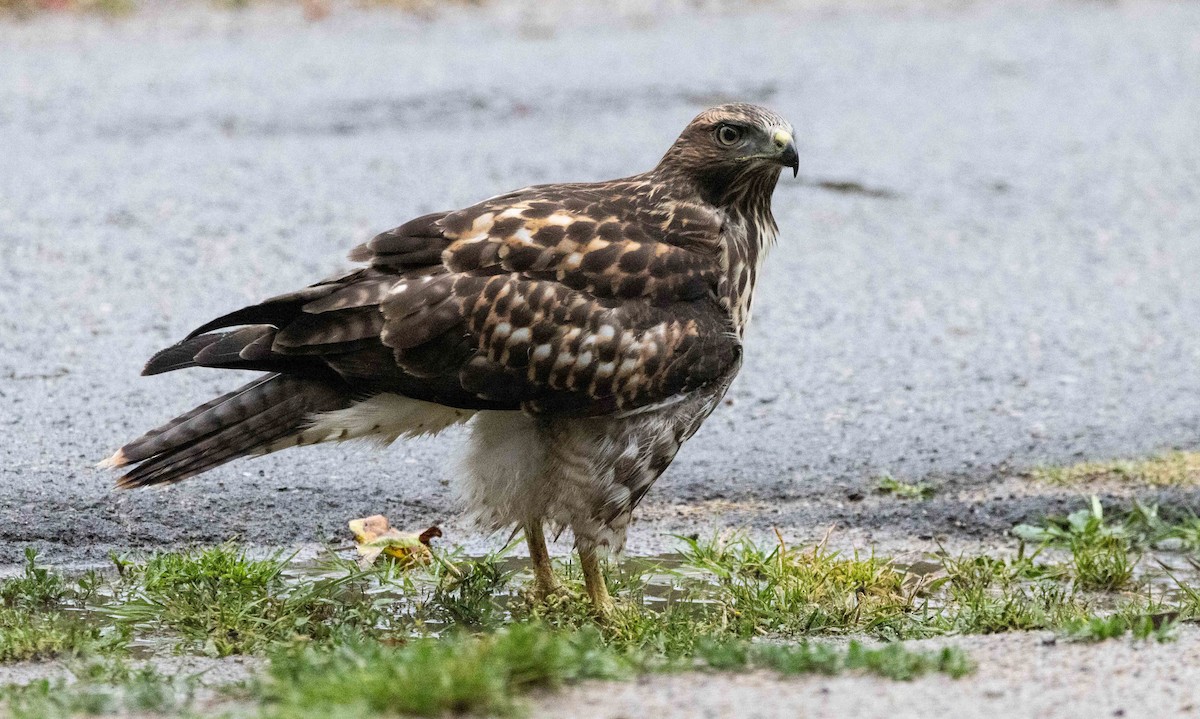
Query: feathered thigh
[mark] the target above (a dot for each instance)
(586, 474)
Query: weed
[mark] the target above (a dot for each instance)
(984, 595)
(794, 592)
(903, 490)
(1100, 549)
(35, 622)
(1087, 524)
(1147, 527)
(1142, 527)
(120, 689)
(223, 602)
(429, 677)
(36, 588)
(49, 635)
(893, 660)
(1142, 627)
(469, 596)
(1174, 468)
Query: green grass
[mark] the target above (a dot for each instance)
(894, 660)
(457, 636)
(36, 588)
(49, 635)
(794, 592)
(461, 636)
(1141, 627)
(40, 616)
(429, 677)
(220, 602)
(98, 689)
(1171, 469)
(484, 674)
(983, 595)
(460, 673)
(1106, 550)
(903, 490)
(467, 595)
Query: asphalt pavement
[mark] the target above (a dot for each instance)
(990, 260)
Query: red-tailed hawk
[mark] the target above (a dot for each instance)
(585, 330)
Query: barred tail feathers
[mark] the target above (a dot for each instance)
(253, 419)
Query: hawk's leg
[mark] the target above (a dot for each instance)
(544, 581)
(593, 579)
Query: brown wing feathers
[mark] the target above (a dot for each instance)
(416, 243)
(543, 345)
(270, 312)
(568, 299)
(603, 248)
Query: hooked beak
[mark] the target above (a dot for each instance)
(785, 145)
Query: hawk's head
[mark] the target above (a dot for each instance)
(733, 152)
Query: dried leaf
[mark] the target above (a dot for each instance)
(374, 536)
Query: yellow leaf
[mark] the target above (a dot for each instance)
(374, 536)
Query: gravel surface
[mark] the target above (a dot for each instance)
(989, 263)
(1019, 675)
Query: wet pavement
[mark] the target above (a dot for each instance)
(989, 262)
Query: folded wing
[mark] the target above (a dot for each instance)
(579, 299)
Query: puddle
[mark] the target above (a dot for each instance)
(663, 581)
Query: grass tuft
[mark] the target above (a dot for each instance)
(32, 637)
(430, 677)
(1141, 627)
(794, 592)
(222, 602)
(1174, 468)
(36, 588)
(120, 690)
(986, 595)
(39, 618)
(903, 490)
(342, 641)
(1101, 550)
(893, 660)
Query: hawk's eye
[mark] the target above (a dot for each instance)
(728, 134)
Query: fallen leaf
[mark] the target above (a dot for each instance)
(374, 536)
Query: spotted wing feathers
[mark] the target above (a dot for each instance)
(581, 299)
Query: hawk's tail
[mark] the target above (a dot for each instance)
(250, 420)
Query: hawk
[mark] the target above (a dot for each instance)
(584, 330)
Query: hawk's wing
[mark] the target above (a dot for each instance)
(582, 299)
